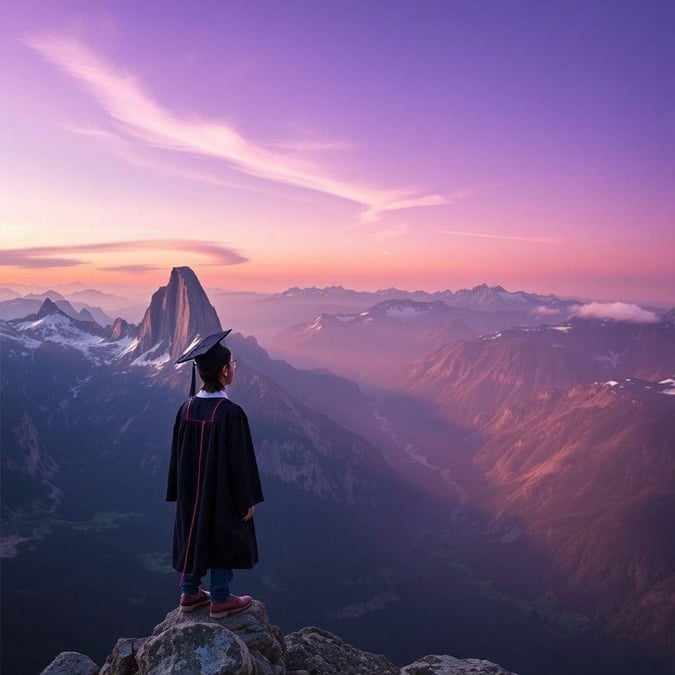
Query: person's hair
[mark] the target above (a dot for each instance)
(210, 373)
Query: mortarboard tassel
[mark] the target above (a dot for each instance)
(192, 384)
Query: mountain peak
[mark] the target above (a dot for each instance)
(49, 307)
(178, 312)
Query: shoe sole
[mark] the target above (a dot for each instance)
(227, 612)
(190, 608)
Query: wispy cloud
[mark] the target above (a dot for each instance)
(615, 311)
(123, 97)
(507, 237)
(53, 256)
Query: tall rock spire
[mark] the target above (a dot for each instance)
(178, 312)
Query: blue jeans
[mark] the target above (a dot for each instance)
(220, 584)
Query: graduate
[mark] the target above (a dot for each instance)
(213, 478)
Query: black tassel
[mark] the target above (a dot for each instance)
(192, 385)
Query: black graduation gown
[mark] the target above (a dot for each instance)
(213, 478)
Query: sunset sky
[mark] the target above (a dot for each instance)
(423, 145)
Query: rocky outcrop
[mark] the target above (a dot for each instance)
(178, 312)
(319, 652)
(449, 665)
(247, 644)
(191, 643)
(71, 663)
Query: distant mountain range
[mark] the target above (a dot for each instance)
(269, 317)
(480, 297)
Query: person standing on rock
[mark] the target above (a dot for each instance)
(213, 478)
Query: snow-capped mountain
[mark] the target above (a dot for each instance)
(18, 307)
(52, 325)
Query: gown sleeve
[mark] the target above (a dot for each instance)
(172, 481)
(242, 465)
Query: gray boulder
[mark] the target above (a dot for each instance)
(321, 653)
(244, 642)
(449, 665)
(71, 663)
(196, 647)
(122, 661)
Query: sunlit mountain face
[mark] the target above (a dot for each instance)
(454, 475)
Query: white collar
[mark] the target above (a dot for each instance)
(212, 394)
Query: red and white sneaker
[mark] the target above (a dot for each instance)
(190, 601)
(233, 605)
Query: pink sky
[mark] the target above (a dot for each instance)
(434, 145)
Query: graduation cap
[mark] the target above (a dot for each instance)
(207, 353)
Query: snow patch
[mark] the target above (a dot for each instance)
(315, 326)
(612, 358)
(158, 362)
(562, 329)
(403, 311)
(669, 386)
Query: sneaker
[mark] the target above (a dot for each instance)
(233, 605)
(190, 601)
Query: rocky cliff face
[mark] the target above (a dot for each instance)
(120, 329)
(247, 644)
(178, 312)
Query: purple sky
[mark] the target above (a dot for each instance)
(270, 144)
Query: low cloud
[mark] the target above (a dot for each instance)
(616, 311)
(52, 256)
